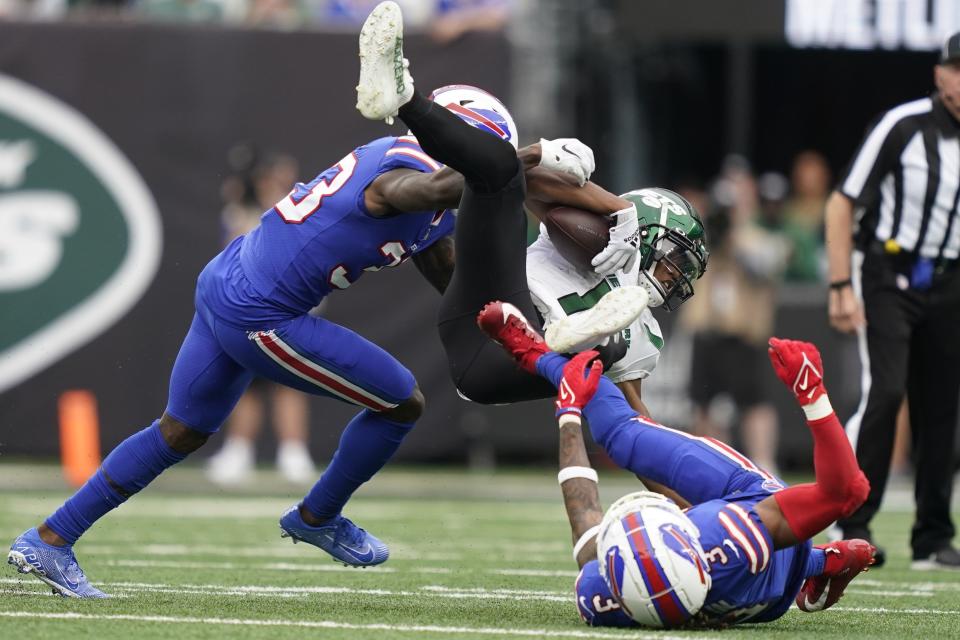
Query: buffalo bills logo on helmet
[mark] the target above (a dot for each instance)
(614, 568)
(679, 541)
(479, 109)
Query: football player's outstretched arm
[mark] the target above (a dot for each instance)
(799, 512)
(553, 188)
(578, 480)
(411, 191)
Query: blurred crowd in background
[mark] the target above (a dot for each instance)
(444, 19)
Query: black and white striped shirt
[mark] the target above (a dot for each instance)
(905, 181)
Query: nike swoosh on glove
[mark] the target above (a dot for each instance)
(568, 155)
(799, 367)
(578, 385)
(621, 250)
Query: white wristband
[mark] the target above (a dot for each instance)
(569, 418)
(587, 536)
(819, 409)
(568, 473)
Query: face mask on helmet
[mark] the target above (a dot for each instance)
(479, 109)
(669, 270)
(652, 560)
(672, 251)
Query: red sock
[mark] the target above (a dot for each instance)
(840, 486)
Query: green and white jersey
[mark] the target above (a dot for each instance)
(559, 290)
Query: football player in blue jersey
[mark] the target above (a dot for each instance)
(383, 203)
(741, 550)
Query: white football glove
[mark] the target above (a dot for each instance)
(621, 251)
(568, 155)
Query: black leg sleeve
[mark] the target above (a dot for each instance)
(486, 162)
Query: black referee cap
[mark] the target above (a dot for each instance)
(951, 49)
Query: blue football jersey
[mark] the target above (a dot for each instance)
(321, 238)
(750, 581)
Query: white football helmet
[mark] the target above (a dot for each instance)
(651, 558)
(478, 109)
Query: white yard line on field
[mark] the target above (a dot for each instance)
(299, 592)
(542, 573)
(290, 566)
(439, 591)
(886, 610)
(245, 566)
(891, 594)
(283, 549)
(921, 586)
(332, 624)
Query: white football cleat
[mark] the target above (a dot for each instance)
(614, 312)
(385, 83)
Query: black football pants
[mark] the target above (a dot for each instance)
(911, 346)
(491, 253)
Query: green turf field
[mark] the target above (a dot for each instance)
(472, 556)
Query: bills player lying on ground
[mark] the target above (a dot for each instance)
(742, 550)
(384, 202)
(491, 254)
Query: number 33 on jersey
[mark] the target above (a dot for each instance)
(320, 237)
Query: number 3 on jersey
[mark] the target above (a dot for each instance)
(294, 211)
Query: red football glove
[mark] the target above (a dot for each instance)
(578, 385)
(798, 365)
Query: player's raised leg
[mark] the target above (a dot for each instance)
(490, 238)
(205, 379)
(385, 84)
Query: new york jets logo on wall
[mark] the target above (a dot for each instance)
(80, 234)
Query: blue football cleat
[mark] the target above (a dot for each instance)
(342, 539)
(57, 566)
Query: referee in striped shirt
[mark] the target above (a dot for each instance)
(893, 242)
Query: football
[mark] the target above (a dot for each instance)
(578, 235)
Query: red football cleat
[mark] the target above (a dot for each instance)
(506, 325)
(845, 559)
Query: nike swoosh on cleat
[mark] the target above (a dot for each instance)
(73, 586)
(365, 556)
(511, 311)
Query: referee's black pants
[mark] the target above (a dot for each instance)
(911, 345)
